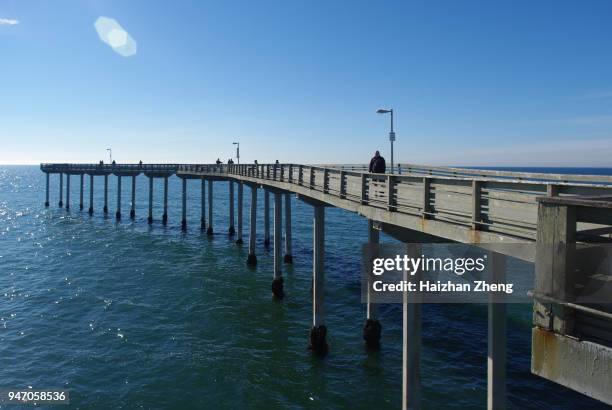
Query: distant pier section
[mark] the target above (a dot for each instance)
(571, 342)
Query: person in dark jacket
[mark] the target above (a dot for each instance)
(378, 164)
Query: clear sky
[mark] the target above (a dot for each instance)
(471, 82)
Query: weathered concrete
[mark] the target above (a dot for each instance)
(203, 204)
(184, 208)
(288, 252)
(277, 282)
(496, 338)
(318, 332)
(232, 229)
(239, 241)
(105, 209)
(133, 205)
(165, 214)
(67, 192)
(91, 191)
(81, 192)
(61, 190)
(411, 342)
(150, 219)
(372, 328)
(266, 217)
(118, 213)
(252, 259)
(209, 230)
(47, 189)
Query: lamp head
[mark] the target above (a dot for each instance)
(383, 111)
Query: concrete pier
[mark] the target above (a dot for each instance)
(277, 281)
(91, 191)
(203, 204)
(61, 190)
(165, 214)
(266, 217)
(372, 328)
(47, 189)
(184, 209)
(150, 218)
(81, 177)
(209, 230)
(67, 192)
(411, 342)
(239, 241)
(252, 259)
(232, 230)
(318, 332)
(496, 339)
(288, 253)
(118, 212)
(105, 210)
(133, 206)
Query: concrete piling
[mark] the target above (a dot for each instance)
(133, 207)
(203, 204)
(105, 210)
(150, 218)
(81, 176)
(232, 230)
(372, 328)
(165, 214)
(496, 339)
(411, 343)
(266, 217)
(277, 282)
(118, 212)
(47, 189)
(91, 191)
(318, 332)
(61, 190)
(67, 192)
(288, 253)
(239, 241)
(184, 209)
(252, 259)
(209, 231)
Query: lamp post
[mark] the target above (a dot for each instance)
(237, 151)
(391, 133)
(110, 155)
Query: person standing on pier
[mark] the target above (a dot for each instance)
(378, 164)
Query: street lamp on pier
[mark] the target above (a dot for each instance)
(391, 133)
(237, 151)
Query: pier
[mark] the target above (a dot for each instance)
(417, 205)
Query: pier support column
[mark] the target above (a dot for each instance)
(67, 192)
(252, 259)
(118, 212)
(496, 363)
(277, 283)
(239, 241)
(184, 219)
(232, 230)
(47, 189)
(81, 193)
(266, 217)
(288, 253)
(133, 208)
(209, 231)
(371, 327)
(203, 205)
(61, 190)
(165, 214)
(150, 219)
(411, 343)
(318, 332)
(91, 189)
(105, 193)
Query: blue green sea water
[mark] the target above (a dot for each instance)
(127, 315)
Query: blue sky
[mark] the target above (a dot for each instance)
(472, 82)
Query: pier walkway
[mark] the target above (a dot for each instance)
(420, 204)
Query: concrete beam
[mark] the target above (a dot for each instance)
(239, 241)
(252, 259)
(232, 230)
(288, 252)
(277, 282)
(318, 331)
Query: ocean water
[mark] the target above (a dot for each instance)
(127, 315)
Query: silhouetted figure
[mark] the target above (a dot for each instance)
(218, 161)
(277, 162)
(378, 164)
(256, 163)
(114, 163)
(140, 164)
